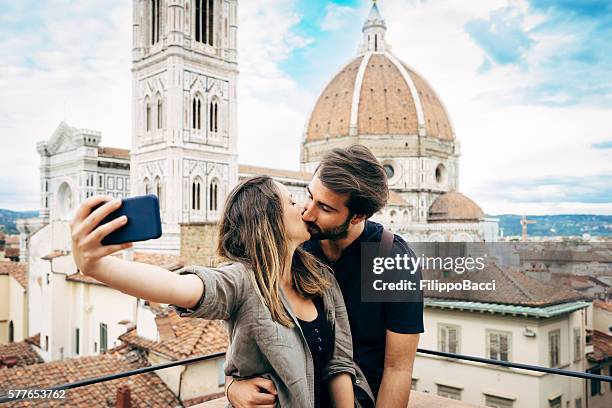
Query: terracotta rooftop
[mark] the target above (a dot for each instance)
(113, 152)
(454, 207)
(18, 270)
(182, 337)
(34, 340)
(564, 255)
(578, 282)
(602, 346)
(602, 305)
(12, 240)
(54, 254)
(11, 252)
(167, 261)
(248, 171)
(511, 287)
(147, 390)
(22, 351)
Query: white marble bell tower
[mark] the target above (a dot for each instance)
(184, 127)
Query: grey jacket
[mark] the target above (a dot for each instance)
(262, 347)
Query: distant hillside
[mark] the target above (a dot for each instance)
(8, 219)
(546, 225)
(562, 225)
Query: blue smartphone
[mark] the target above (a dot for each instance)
(143, 223)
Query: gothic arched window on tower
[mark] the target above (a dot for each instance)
(148, 116)
(213, 196)
(204, 21)
(196, 113)
(196, 194)
(213, 115)
(147, 188)
(160, 113)
(155, 21)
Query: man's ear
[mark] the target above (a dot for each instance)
(357, 218)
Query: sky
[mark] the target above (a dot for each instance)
(526, 83)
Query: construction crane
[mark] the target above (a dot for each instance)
(524, 223)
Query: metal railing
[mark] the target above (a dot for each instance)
(555, 371)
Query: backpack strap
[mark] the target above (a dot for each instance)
(386, 243)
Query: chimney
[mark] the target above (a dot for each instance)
(124, 399)
(9, 361)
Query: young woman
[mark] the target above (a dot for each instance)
(286, 316)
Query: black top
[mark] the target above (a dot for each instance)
(370, 320)
(320, 339)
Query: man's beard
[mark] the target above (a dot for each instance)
(316, 234)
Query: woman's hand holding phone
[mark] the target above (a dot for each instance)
(87, 248)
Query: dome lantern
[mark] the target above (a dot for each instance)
(374, 31)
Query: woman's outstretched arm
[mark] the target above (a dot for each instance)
(144, 281)
(149, 282)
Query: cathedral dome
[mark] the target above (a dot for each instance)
(377, 94)
(454, 207)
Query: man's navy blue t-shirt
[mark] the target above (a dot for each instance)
(370, 320)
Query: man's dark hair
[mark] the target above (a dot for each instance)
(355, 171)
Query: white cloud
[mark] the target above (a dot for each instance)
(501, 142)
(270, 103)
(336, 17)
(71, 62)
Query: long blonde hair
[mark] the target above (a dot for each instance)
(252, 232)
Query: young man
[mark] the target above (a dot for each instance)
(348, 187)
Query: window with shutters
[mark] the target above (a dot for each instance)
(103, 337)
(499, 345)
(448, 338)
(554, 340)
(577, 345)
(449, 392)
(77, 341)
(494, 401)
